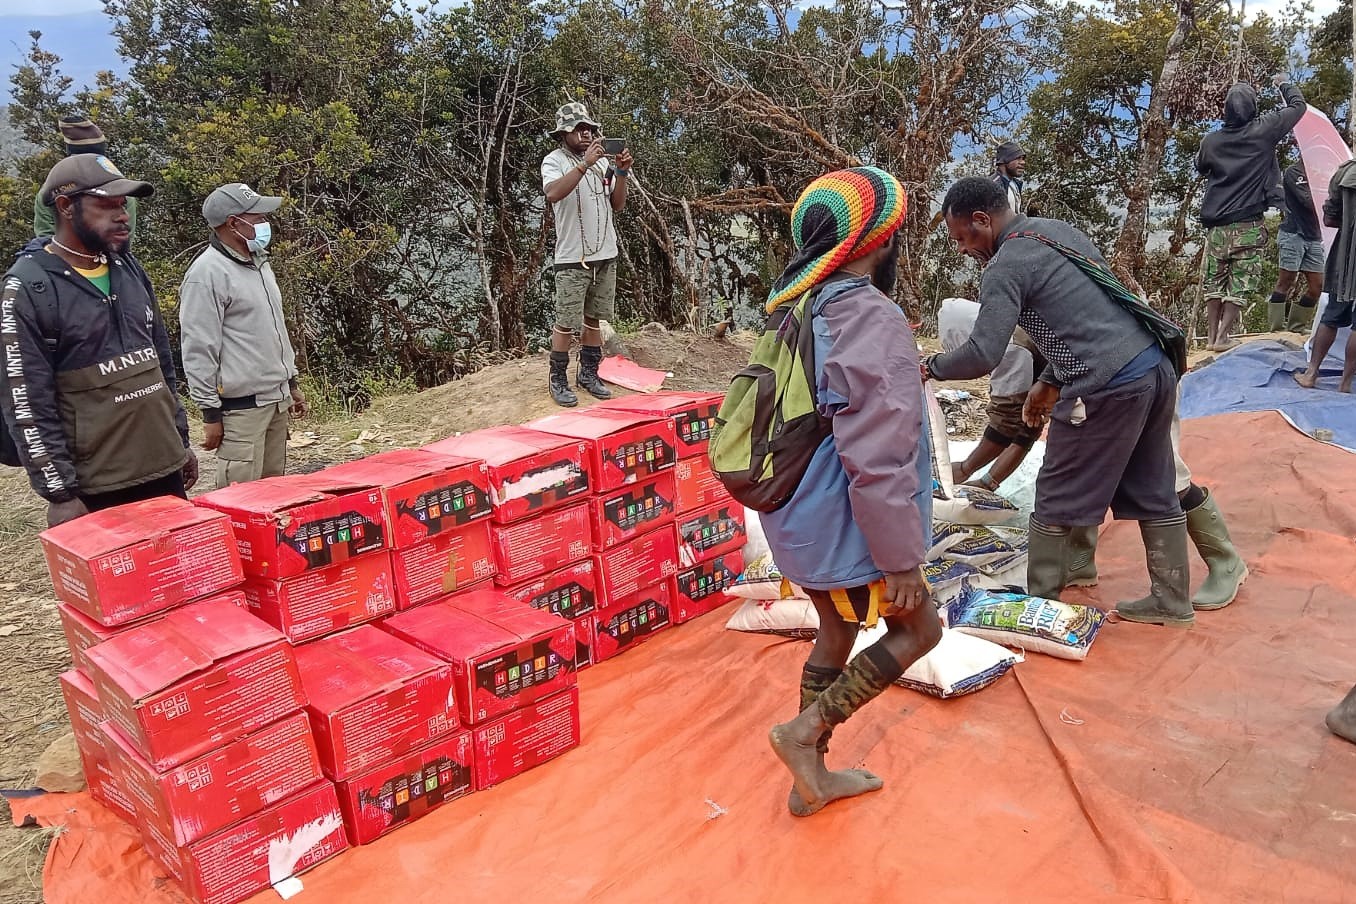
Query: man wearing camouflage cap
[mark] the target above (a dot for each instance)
(88, 388)
(238, 359)
(585, 189)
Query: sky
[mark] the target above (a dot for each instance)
(77, 31)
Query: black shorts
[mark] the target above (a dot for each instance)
(1120, 457)
(1336, 314)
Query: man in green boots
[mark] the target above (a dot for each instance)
(1300, 246)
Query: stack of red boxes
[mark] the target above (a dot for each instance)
(186, 708)
(513, 672)
(635, 547)
(711, 530)
(541, 532)
(313, 550)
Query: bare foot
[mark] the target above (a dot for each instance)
(1304, 379)
(835, 786)
(1342, 720)
(1344, 386)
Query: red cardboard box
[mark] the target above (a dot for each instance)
(504, 654)
(711, 531)
(526, 738)
(583, 642)
(627, 569)
(221, 787)
(424, 494)
(632, 620)
(530, 472)
(443, 565)
(693, 415)
(282, 841)
(408, 787)
(704, 586)
(626, 513)
(131, 561)
(82, 703)
(288, 525)
(623, 446)
(698, 485)
(203, 675)
(326, 600)
(527, 549)
(83, 632)
(373, 697)
(107, 789)
(569, 592)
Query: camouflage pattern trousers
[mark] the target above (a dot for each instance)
(1233, 271)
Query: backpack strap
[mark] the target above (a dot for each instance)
(42, 292)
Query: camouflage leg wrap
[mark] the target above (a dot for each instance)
(866, 677)
(815, 680)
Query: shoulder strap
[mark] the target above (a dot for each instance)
(43, 295)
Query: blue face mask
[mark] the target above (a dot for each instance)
(263, 234)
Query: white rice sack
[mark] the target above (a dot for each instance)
(973, 505)
(943, 486)
(791, 617)
(946, 579)
(984, 545)
(1002, 573)
(755, 541)
(946, 534)
(1063, 630)
(762, 580)
(1020, 486)
(958, 665)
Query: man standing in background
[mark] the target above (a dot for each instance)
(1009, 169)
(81, 137)
(238, 359)
(1238, 162)
(1300, 246)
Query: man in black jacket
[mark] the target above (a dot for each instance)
(1339, 211)
(1300, 245)
(88, 383)
(1239, 166)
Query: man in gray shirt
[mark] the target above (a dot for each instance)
(238, 359)
(1108, 389)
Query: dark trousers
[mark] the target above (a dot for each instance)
(1120, 457)
(172, 484)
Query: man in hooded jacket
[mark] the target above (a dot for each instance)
(1238, 162)
(1339, 211)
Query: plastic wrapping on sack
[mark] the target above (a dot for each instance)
(946, 579)
(1020, 486)
(1062, 630)
(973, 505)
(957, 666)
(755, 541)
(1003, 573)
(791, 617)
(762, 580)
(942, 485)
(983, 545)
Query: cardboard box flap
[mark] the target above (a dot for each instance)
(503, 611)
(387, 469)
(271, 494)
(654, 403)
(148, 659)
(590, 424)
(499, 445)
(449, 631)
(364, 662)
(114, 528)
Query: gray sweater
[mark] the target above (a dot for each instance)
(1084, 335)
(236, 350)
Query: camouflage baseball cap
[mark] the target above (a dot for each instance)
(90, 174)
(570, 117)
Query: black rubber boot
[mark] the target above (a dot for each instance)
(1082, 561)
(590, 356)
(1047, 557)
(1169, 599)
(560, 380)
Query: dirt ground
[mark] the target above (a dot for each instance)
(33, 650)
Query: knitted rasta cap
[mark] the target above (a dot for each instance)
(839, 217)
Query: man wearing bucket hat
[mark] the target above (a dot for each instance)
(238, 359)
(89, 384)
(80, 137)
(585, 190)
(858, 525)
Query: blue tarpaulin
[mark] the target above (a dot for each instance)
(1257, 377)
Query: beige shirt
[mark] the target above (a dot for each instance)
(585, 230)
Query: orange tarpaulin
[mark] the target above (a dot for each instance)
(1170, 766)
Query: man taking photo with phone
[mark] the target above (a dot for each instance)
(585, 182)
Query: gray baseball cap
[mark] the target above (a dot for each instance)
(234, 199)
(90, 174)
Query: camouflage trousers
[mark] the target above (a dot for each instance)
(1233, 271)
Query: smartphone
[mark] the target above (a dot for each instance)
(613, 146)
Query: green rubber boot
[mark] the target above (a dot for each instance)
(1168, 602)
(1275, 316)
(1046, 559)
(1206, 527)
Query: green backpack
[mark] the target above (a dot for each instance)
(769, 425)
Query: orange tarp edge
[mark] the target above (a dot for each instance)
(1170, 766)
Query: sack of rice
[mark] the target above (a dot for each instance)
(1063, 630)
(957, 666)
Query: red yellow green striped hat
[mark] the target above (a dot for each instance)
(840, 217)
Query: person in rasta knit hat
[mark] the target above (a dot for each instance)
(855, 532)
(81, 137)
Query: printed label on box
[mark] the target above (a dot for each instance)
(624, 514)
(328, 600)
(705, 586)
(526, 738)
(569, 592)
(526, 549)
(710, 531)
(408, 787)
(698, 486)
(445, 564)
(643, 562)
(632, 621)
